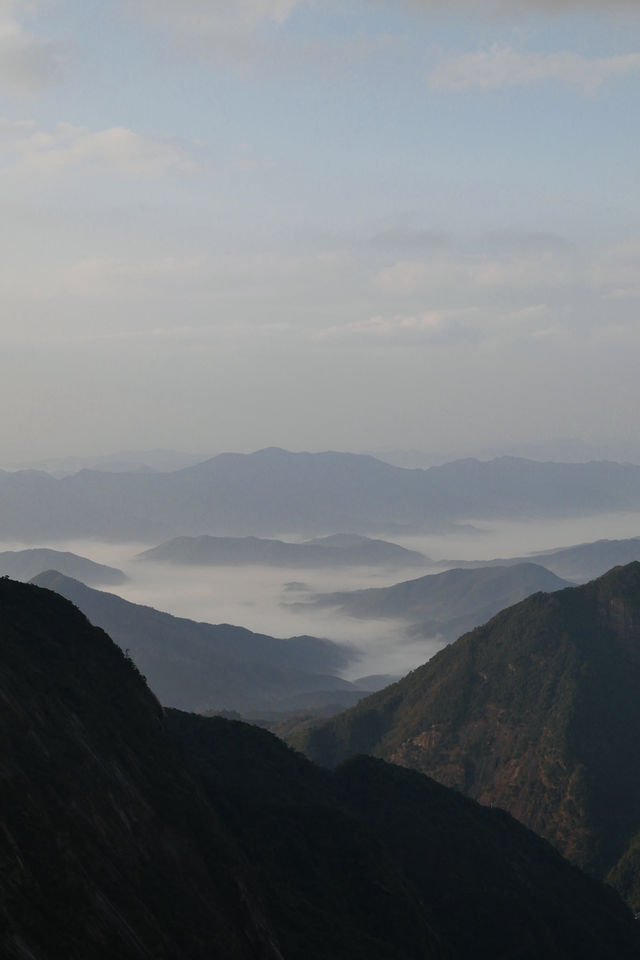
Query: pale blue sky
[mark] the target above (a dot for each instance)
(362, 225)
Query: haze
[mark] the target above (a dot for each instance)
(257, 598)
(319, 226)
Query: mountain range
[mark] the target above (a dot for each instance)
(537, 712)
(203, 666)
(135, 832)
(26, 564)
(123, 461)
(579, 563)
(274, 492)
(444, 604)
(338, 550)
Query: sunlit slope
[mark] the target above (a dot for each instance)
(538, 712)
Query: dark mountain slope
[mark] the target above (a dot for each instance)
(487, 885)
(132, 833)
(203, 666)
(335, 551)
(537, 711)
(449, 603)
(108, 848)
(26, 564)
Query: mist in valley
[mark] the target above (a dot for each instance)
(272, 600)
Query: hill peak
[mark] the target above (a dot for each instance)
(537, 711)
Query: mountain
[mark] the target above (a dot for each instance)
(202, 666)
(579, 563)
(339, 550)
(135, 832)
(25, 564)
(108, 847)
(274, 492)
(537, 712)
(444, 604)
(124, 461)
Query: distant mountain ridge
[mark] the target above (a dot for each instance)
(579, 563)
(133, 832)
(124, 461)
(445, 604)
(537, 711)
(273, 492)
(26, 564)
(335, 551)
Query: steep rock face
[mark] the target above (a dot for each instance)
(538, 712)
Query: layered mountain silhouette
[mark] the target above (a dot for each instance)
(537, 711)
(26, 564)
(203, 666)
(580, 563)
(444, 604)
(123, 461)
(134, 832)
(273, 492)
(338, 550)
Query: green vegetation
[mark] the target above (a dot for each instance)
(536, 712)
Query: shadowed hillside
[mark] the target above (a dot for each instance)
(133, 833)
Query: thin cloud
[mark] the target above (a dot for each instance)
(30, 150)
(226, 31)
(429, 327)
(501, 67)
(547, 7)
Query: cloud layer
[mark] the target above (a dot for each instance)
(64, 148)
(500, 67)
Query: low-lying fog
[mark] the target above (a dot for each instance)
(259, 597)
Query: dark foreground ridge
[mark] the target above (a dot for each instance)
(537, 712)
(134, 832)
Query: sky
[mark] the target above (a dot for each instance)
(318, 225)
